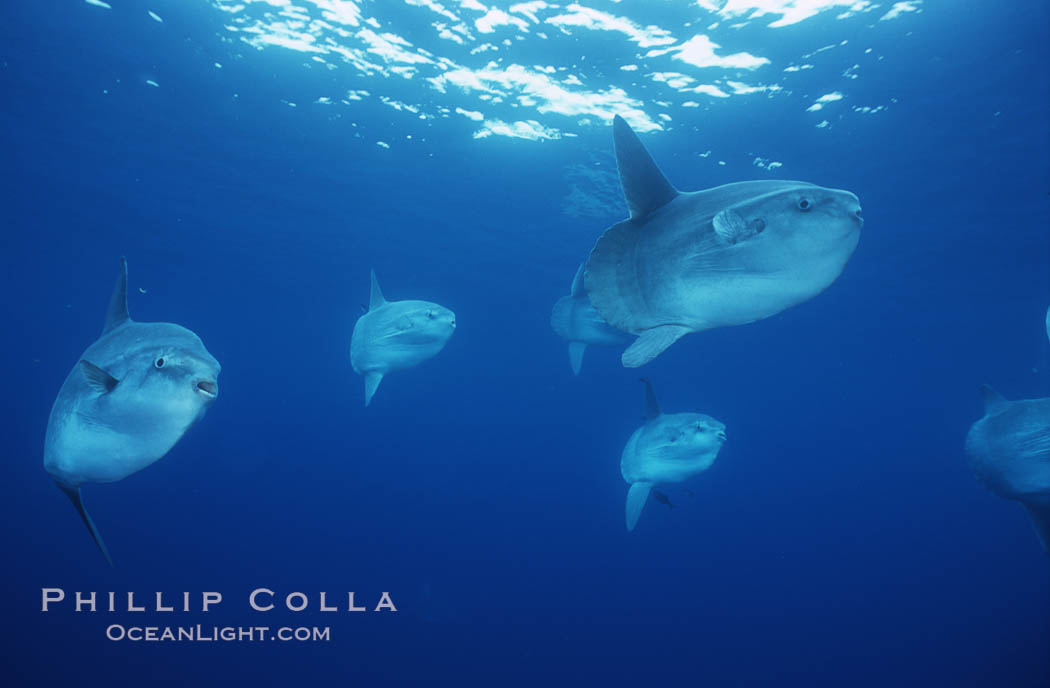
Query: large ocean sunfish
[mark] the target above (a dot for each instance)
(691, 261)
(669, 448)
(575, 320)
(127, 401)
(394, 335)
(1009, 452)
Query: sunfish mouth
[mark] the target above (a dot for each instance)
(721, 434)
(208, 388)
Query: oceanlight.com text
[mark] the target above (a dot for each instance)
(203, 634)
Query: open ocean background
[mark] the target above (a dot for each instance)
(839, 540)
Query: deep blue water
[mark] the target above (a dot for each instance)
(839, 539)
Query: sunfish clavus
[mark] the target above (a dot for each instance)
(669, 448)
(132, 395)
(691, 261)
(575, 320)
(393, 335)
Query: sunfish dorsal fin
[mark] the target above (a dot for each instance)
(652, 407)
(645, 188)
(576, 291)
(74, 496)
(117, 314)
(98, 379)
(375, 298)
(993, 401)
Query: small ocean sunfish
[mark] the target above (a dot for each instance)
(669, 448)
(394, 335)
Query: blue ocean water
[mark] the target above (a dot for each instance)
(839, 539)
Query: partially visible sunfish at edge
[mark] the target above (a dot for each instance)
(394, 335)
(129, 399)
(669, 448)
(575, 320)
(1009, 452)
(691, 261)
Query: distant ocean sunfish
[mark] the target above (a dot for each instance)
(691, 261)
(669, 448)
(1009, 452)
(394, 335)
(133, 394)
(575, 320)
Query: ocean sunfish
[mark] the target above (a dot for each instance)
(669, 448)
(575, 320)
(691, 261)
(132, 395)
(394, 335)
(1009, 452)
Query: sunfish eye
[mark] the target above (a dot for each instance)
(159, 363)
(431, 314)
(804, 204)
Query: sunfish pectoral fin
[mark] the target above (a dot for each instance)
(576, 290)
(1040, 516)
(651, 343)
(636, 497)
(732, 228)
(576, 350)
(117, 314)
(98, 379)
(74, 496)
(645, 188)
(375, 297)
(372, 380)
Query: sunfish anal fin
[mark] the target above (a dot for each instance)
(652, 407)
(645, 188)
(117, 314)
(375, 298)
(576, 350)
(652, 343)
(74, 496)
(1041, 520)
(636, 497)
(98, 379)
(372, 380)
